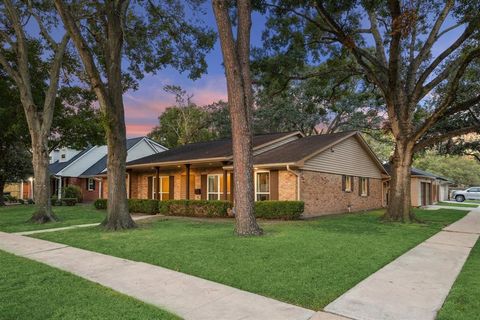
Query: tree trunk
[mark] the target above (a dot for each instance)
(236, 59)
(118, 216)
(400, 205)
(41, 185)
(2, 187)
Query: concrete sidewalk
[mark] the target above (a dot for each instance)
(26, 233)
(415, 285)
(187, 296)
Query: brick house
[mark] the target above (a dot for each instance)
(426, 188)
(331, 173)
(82, 167)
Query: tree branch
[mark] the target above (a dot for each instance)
(51, 93)
(378, 38)
(442, 137)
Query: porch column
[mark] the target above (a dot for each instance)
(21, 189)
(59, 188)
(129, 186)
(225, 175)
(187, 184)
(156, 193)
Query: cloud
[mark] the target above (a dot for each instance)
(142, 107)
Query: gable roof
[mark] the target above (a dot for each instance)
(58, 166)
(217, 150)
(100, 164)
(417, 172)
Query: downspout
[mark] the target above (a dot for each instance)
(298, 180)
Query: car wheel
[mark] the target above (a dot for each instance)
(459, 198)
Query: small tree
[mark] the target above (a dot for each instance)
(183, 123)
(150, 35)
(236, 58)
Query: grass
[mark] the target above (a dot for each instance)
(458, 204)
(307, 263)
(462, 302)
(15, 218)
(31, 290)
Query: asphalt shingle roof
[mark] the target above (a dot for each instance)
(204, 150)
(58, 166)
(299, 149)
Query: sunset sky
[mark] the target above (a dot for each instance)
(142, 107)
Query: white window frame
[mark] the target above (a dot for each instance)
(219, 192)
(261, 192)
(348, 183)
(90, 183)
(154, 178)
(363, 186)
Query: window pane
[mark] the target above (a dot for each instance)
(165, 196)
(165, 187)
(213, 184)
(228, 183)
(213, 196)
(263, 182)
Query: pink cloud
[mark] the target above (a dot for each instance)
(143, 106)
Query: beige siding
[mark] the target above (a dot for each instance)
(348, 158)
(275, 145)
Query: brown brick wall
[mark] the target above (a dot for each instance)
(287, 185)
(322, 193)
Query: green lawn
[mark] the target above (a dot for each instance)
(31, 290)
(15, 218)
(307, 263)
(463, 301)
(458, 204)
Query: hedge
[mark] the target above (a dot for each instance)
(64, 201)
(195, 208)
(72, 191)
(143, 206)
(284, 210)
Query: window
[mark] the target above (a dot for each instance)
(215, 186)
(164, 187)
(364, 187)
(347, 183)
(262, 186)
(91, 184)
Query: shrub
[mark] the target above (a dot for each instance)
(21, 201)
(69, 201)
(70, 192)
(285, 210)
(30, 201)
(55, 202)
(143, 206)
(100, 204)
(195, 208)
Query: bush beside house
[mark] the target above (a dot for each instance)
(284, 210)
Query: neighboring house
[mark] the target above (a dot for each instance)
(426, 188)
(20, 190)
(82, 167)
(331, 173)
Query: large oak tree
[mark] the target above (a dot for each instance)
(236, 58)
(402, 48)
(147, 36)
(15, 47)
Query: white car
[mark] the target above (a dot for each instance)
(472, 193)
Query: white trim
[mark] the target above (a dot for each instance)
(268, 184)
(219, 193)
(88, 184)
